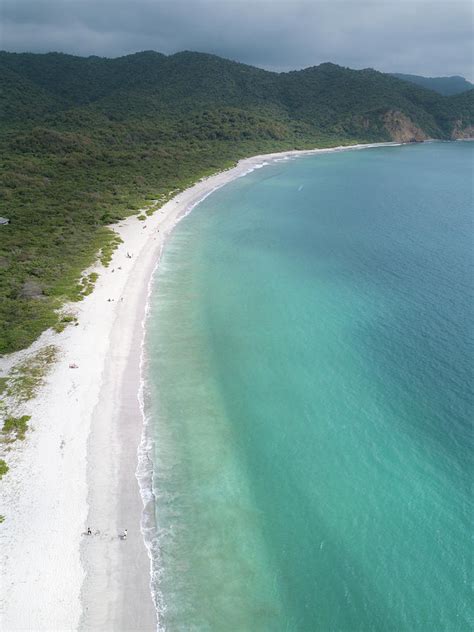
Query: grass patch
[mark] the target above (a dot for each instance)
(3, 468)
(16, 427)
(63, 321)
(111, 242)
(3, 384)
(28, 376)
(88, 283)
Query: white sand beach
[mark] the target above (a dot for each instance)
(77, 465)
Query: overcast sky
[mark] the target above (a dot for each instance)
(427, 37)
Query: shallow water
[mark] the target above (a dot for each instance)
(309, 360)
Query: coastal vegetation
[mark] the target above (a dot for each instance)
(85, 142)
(3, 468)
(16, 389)
(26, 377)
(15, 427)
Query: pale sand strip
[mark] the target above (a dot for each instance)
(77, 467)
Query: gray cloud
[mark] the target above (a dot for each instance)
(428, 37)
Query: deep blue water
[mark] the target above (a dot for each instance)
(310, 364)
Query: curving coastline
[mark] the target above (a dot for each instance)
(78, 467)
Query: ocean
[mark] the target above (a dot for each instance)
(308, 394)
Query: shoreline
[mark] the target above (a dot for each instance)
(78, 465)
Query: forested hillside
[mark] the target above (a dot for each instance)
(444, 85)
(87, 141)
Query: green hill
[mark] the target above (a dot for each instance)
(156, 88)
(87, 141)
(446, 86)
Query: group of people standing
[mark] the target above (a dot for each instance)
(122, 536)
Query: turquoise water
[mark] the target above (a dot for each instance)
(309, 362)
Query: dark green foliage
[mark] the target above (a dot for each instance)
(443, 85)
(84, 142)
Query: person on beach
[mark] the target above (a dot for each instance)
(89, 531)
(124, 534)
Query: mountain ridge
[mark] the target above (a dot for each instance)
(447, 86)
(76, 81)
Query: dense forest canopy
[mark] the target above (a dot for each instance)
(87, 141)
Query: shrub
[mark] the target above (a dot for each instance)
(17, 426)
(3, 468)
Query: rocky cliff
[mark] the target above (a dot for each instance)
(461, 130)
(402, 129)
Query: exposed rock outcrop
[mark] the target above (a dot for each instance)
(461, 130)
(402, 129)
